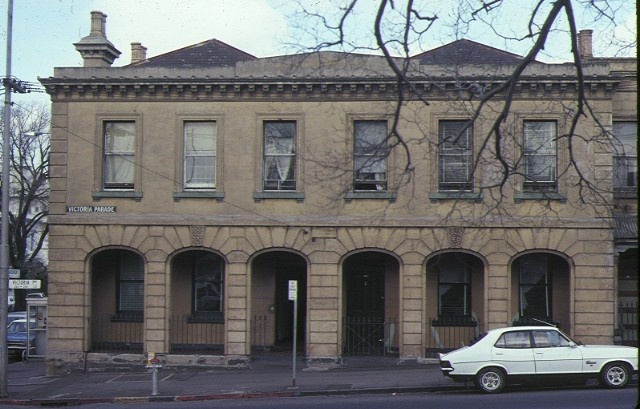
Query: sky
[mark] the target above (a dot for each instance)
(44, 30)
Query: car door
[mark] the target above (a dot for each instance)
(555, 354)
(514, 351)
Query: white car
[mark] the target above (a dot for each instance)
(528, 353)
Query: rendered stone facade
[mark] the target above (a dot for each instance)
(354, 253)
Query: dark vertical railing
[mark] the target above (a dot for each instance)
(259, 333)
(445, 337)
(195, 336)
(627, 330)
(370, 336)
(112, 335)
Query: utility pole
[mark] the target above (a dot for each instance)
(4, 235)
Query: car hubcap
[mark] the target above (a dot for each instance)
(491, 381)
(615, 376)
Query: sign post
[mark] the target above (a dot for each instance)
(293, 296)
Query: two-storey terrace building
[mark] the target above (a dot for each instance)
(189, 189)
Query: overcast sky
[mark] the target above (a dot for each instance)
(44, 30)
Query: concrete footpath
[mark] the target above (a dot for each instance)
(266, 377)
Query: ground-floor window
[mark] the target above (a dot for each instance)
(535, 291)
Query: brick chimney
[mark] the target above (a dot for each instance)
(95, 49)
(585, 47)
(138, 53)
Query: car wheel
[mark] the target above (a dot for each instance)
(615, 375)
(491, 380)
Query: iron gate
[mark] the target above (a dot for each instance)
(369, 336)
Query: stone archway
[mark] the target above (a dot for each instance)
(271, 310)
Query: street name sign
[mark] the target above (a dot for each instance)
(24, 284)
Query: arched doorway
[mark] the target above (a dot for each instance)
(117, 301)
(541, 289)
(197, 302)
(371, 291)
(272, 324)
(454, 301)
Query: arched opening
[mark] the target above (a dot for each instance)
(371, 300)
(272, 325)
(454, 301)
(197, 303)
(541, 290)
(117, 301)
(627, 308)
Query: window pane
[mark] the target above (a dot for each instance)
(119, 171)
(455, 155)
(370, 155)
(279, 155)
(540, 168)
(131, 296)
(208, 284)
(516, 339)
(453, 286)
(455, 169)
(454, 136)
(626, 134)
(131, 282)
(625, 156)
(534, 287)
(200, 154)
(453, 299)
(540, 155)
(119, 154)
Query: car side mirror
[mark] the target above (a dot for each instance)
(572, 345)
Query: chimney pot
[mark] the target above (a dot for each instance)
(98, 24)
(585, 45)
(95, 49)
(138, 53)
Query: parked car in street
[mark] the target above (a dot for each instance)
(17, 336)
(524, 354)
(17, 315)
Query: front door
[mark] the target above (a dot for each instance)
(365, 326)
(284, 307)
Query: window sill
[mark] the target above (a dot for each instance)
(198, 194)
(519, 197)
(625, 194)
(209, 318)
(454, 322)
(258, 196)
(526, 321)
(127, 317)
(461, 195)
(349, 196)
(112, 194)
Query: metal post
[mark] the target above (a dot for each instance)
(295, 337)
(4, 234)
(154, 381)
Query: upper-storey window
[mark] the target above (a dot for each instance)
(540, 160)
(455, 156)
(200, 155)
(119, 154)
(279, 171)
(370, 156)
(626, 156)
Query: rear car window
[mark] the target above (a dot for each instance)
(514, 339)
